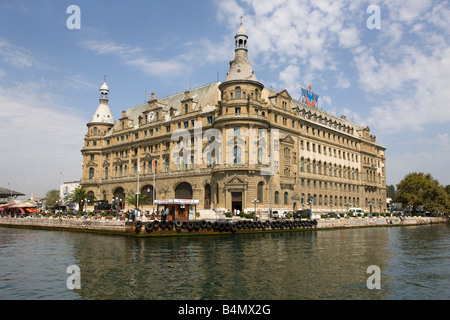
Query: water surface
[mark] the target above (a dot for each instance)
(324, 264)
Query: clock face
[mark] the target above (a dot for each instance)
(151, 116)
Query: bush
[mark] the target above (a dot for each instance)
(228, 214)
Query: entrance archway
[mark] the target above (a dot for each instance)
(119, 197)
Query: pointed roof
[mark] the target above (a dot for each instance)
(241, 31)
(103, 114)
(104, 86)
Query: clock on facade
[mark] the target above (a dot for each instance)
(151, 116)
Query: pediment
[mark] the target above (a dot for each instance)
(92, 163)
(287, 139)
(120, 161)
(149, 156)
(285, 94)
(236, 180)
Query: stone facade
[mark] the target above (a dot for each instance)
(230, 143)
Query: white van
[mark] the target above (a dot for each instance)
(356, 211)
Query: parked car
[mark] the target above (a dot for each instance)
(305, 214)
(356, 211)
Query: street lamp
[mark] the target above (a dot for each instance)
(112, 206)
(348, 205)
(310, 205)
(255, 201)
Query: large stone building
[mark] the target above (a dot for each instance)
(227, 144)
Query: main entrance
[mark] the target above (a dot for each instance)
(236, 201)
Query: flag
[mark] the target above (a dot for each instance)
(155, 166)
(139, 167)
(310, 97)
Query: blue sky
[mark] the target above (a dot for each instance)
(393, 79)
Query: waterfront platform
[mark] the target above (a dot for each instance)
(154, 228)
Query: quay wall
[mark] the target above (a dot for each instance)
(129, 228)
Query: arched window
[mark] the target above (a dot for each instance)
(285, 198)
(276, 197)
(260, 192)
(167, 165)
(237, 92)
(91, 173)
(183, 191)
(207, 202)
(147, 190)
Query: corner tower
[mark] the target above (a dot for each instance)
(242, 119)
(101, 123)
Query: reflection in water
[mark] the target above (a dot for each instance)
(328, 264)
(305, 265)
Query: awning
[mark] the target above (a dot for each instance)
(176, 201)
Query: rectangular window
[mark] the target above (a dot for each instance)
(237, 131)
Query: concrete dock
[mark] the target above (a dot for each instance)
(151, 228)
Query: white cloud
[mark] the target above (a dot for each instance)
(342, 82)
(423, 103)
(136, 57)
(41, 137)
(406, 11)
(15, 56)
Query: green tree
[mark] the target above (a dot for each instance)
(133, 200)
(418, 188)
(51, 198)
(79, 195)
(391, 193)
(447, 188)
